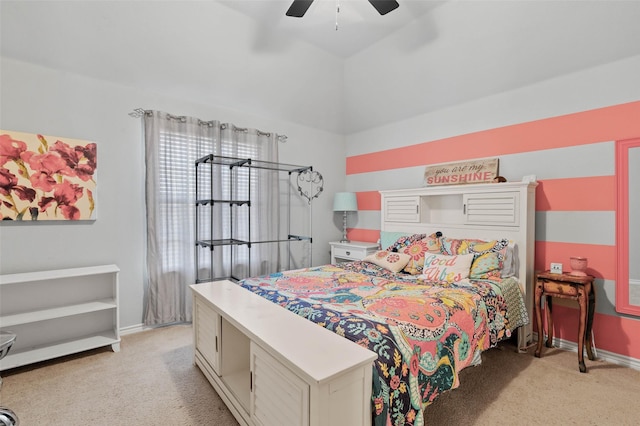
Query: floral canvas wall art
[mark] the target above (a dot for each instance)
(46, 177)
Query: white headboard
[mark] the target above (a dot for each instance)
(486, 211)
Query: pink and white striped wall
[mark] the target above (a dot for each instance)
(573, 157)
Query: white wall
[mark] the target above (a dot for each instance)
(604, 85)
(43, 100)
(471, 50)
(201, 51)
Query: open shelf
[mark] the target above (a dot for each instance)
(222, 242)
(59, 312)
(237, 384)
(63, 311)
(17, 358)
(57, 274)
(251, 163)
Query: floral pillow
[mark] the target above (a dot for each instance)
(443, 268)
(489, 255)
(390, 260)
(417, 250)
(405, 241)
(389, 239)
(486, 267)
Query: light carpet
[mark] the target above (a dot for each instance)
(153, 381)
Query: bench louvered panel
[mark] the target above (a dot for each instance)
(207, 333)
(278, 396)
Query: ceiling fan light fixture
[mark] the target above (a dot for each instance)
(299, 7)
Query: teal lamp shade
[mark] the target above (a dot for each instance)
(345, 202)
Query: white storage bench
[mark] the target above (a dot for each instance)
(271, 366)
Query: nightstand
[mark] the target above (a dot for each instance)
(567, 286)
(353, 250)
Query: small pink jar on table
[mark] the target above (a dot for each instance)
(578, 266)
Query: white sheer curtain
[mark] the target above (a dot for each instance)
(173, 144)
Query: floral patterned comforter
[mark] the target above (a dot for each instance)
(424, 333)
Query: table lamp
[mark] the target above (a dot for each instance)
(345, 202)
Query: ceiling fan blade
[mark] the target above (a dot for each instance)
(384, 6)
(298, 8)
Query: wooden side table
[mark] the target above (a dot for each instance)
(567, 286)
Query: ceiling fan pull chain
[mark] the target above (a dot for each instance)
(337, 12)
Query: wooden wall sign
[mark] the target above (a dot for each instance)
(476, 171)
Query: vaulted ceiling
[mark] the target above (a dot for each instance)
(341, 27)
(246, 55)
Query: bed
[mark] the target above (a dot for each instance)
(423, 331)
(453, 279)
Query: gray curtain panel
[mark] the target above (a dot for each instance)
(173, 144)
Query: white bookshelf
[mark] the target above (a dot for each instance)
(59, 312)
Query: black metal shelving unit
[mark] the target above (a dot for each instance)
(239, 197)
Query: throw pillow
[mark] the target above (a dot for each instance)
(485, 267)
(451, 269)
(388, 239)
(405, 241)
(392, 261)
(452, 246)
(418, 249)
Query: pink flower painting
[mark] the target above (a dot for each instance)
(46, 178)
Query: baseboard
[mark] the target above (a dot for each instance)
(612, 357)
(134, 329)
(141, 327)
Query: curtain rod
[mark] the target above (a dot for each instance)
(139, 112)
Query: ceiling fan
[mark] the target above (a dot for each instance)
(299, 7)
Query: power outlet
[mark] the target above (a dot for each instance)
(556, 268)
